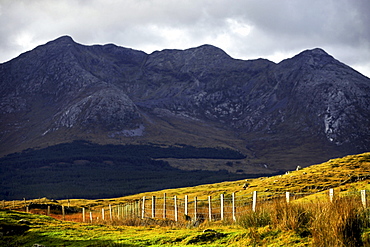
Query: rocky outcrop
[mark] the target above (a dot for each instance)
(107, 108)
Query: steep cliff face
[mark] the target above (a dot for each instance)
(63, 91)
(333, 97)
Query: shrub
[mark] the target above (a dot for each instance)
(291, 216)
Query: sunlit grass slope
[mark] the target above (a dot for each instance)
(348, 173)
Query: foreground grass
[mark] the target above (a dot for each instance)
(343, 222)
(47, 231)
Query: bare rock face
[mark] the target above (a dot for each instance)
(63, 86)
(107, 108)
(333, 96)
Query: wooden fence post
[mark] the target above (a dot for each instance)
(233, 205)
(83, 215)
(186, 205)
(110, 212)
(222, 206)
(91, 218)
(287, 196)
(143, 208)
(254, 203)
(209, 208)
(363, 198)
(164, 206)
(331, 195)
(153, 206)
(176, 213)
(102, 214)
(48, 212)
(63, 213)
(25, 205)
(195, 208)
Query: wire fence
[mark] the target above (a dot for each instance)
(225, 207)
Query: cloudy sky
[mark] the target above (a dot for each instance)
(245, 29)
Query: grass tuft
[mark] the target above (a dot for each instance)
(260, 218)
(342, 222)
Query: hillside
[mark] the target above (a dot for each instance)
(343, 174)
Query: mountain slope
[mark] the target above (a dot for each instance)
(304, 110)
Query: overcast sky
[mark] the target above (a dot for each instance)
(245, 29)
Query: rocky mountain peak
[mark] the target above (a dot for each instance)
(63, 40)
(196, 59)
(61, 44)
(316, 52)
(315, 58)
(208, 51)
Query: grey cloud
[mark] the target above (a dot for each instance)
(284, 26)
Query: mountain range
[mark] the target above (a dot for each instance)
(301, 111)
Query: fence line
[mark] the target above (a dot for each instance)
(224, 207)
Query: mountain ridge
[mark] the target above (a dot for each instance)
(64, 91)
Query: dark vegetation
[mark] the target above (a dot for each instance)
(85, 170)
(83, 149)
